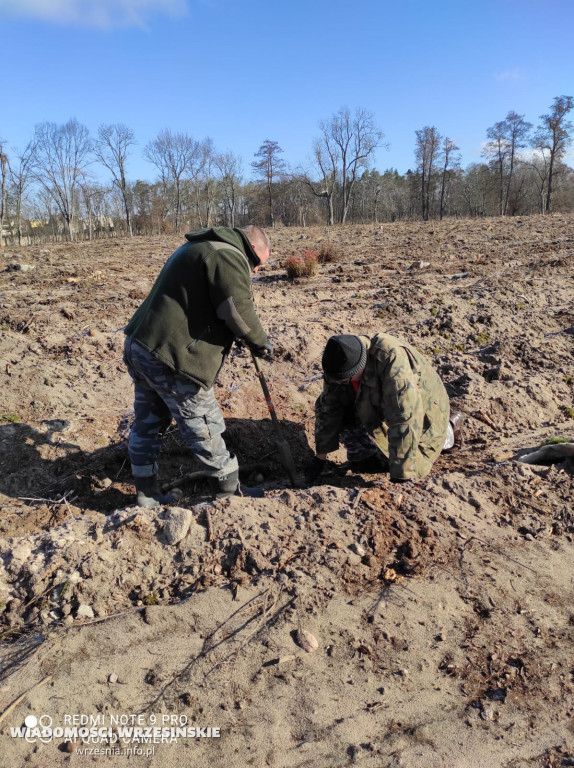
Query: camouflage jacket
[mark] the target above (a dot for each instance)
(401, 401)
(199, 303)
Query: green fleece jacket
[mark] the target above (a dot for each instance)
(199, 303)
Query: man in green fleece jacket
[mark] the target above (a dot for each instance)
(386, 404)
(176, 343)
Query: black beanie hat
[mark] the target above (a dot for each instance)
(344, 356)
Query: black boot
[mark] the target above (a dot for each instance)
(374, 464)
(230, 486)
(149, 494)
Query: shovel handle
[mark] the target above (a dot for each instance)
(284, 451)
(267, 395)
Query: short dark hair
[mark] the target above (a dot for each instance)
(257, 236)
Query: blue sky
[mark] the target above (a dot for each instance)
(242, 71)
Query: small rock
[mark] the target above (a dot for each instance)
(307, 641)
(178, 522)
(403, 673)
(113, 678)
(84, 612)
(151, 614)
(487, 713)
(357, 549)
(288, 498)
(196, 536)
(99, 608)
(390, 575)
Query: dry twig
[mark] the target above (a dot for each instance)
(17, 701)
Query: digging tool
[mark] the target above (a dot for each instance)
(282, 445)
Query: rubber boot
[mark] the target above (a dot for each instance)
(456, 421)
(149, 494)
(230, 486)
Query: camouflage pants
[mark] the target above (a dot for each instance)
(162, 395)
(359, 444)
(355, 437)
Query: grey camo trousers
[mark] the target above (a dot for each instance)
(162, 395)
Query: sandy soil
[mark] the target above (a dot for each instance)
(442, 609)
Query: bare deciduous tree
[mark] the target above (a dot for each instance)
(517, 130)
(268, 166)
(505, 139)
(94, 198)
(476, 189)
(426, 154)
(205, 183)
(176, 156)
(21, 177)
(112, 149)
(230, 172)
(450, 162)
(496, 152)
(346, 146)
(61, 155)
(3, 179)
(553, 137)
(325, 161)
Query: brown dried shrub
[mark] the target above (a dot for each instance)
(302, 266)
(329, 252)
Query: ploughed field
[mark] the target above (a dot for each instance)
(442, 609)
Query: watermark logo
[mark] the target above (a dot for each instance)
(35, 729)
(110, 729)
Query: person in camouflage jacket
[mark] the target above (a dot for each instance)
(386, 403)
(176, 343)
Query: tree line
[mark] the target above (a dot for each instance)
(49, 189)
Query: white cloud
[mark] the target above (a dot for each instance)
(509, 74)
(92, 13)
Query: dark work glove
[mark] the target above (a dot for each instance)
(266, 350)
(313, 469)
